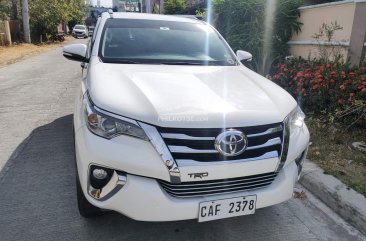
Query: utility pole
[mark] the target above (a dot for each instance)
(25, 15)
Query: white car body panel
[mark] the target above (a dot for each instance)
(170, 96)
(188, 96)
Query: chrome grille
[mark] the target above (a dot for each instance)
(198, 145)
(214, 187)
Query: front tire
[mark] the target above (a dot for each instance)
(86, 209)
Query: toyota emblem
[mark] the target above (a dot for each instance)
(231, 143)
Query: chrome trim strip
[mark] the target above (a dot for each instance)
(271, 142)
(185, 149)
(185, 137)
(285, 144)
(269, 131)
(112, 187)
(160, 146)
(222, 183)
(188, 162)
(115, 116)
(212, 194)
(204, 193)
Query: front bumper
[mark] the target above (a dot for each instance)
(80, 34)
(142, 198)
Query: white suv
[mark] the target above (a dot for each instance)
(80, 31)
(170, 125)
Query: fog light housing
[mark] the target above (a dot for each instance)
(105, 182)
(99, 176)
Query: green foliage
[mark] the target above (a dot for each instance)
(4, 9)
(174, 6)
(335, 88)
(44, 18)
(242, 23)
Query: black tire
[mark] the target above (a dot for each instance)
(86, 209)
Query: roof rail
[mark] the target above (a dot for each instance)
(110, 11)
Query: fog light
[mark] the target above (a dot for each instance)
(100, 174)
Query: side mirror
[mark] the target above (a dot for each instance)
(75, 52)
(244, 55)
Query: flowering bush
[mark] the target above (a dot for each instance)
(331, 87)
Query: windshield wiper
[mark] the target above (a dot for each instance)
(180, 63)
(123, 61)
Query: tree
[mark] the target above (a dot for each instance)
(44, 18)
(4, 9)
(174, 6)
(242, 23)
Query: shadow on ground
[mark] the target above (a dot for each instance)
(38, 203)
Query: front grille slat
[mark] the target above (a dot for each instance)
(219, 186)
(223, 181)
(186, 137)
(186, 149)
(195, 146)
(214, 187)
(199, 144)
(187, 162)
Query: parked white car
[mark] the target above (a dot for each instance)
(80, 31)
(170, 125)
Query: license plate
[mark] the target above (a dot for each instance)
(226, 208)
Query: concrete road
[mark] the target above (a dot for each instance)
(37, 181)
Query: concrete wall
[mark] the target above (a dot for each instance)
(344, 12)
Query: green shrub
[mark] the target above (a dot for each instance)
(242, 23)
(4, 9)
(320, 87)
(174, 6)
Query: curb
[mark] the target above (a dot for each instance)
(346, 202)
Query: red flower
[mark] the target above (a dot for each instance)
(347, 81)
(342, 87)
(363, 90)
(315, 87)
(328, 65)
(332, 81)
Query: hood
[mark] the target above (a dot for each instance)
(188, 96)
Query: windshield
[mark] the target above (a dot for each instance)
(162, 42)
(79, 27)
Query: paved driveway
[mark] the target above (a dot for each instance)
(37, 181)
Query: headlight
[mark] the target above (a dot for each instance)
(109, 127)
(296, 119)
